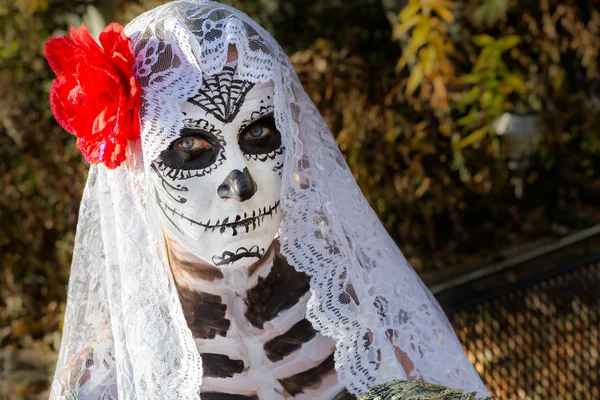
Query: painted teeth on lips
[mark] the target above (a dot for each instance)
(247, 223)
(254, 219)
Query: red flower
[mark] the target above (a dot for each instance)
(95, 95)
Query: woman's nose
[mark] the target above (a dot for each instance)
(237, 185)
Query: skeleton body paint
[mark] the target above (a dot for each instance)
(218, 190)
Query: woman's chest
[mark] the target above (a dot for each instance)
(254, 339)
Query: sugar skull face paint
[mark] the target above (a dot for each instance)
(218, 185)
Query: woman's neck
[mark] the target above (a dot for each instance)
(196, 273)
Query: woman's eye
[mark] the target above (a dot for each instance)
(262, 137)
(257, 132)
(191, 143)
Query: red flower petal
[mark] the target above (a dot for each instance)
(96, 96)
(101, 84)
(102, 120)
(91, 150)
(86, 43)
(115, 43)
(59, 52)
(59, 98)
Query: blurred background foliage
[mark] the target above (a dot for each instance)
(410, 88)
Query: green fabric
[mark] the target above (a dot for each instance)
(416, 390)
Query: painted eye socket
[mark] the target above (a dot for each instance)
(195, 150)
(257, 132)
(191, 143)
(262, 137)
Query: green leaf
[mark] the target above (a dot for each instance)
(486, 98)
(495, 10)
(470, 97)
(468, 119)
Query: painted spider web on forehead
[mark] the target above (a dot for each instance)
(221, 95)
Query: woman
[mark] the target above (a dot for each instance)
(224, 249)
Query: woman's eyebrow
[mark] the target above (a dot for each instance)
(198, 124)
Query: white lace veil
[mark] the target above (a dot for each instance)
(125, 334)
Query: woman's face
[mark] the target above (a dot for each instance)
(218, 185)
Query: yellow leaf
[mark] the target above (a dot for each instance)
(445, 128)
(419, 35)
(421, 126)
(507, 42)
(482, 40)
(440, 94)
(427, 58)
(469, 79)
(513, 83)
(405, 26)
(414, 80)
(402, 62)
(450, 4)
(429, 5)
(423, 187)
(558, 75)
(411, 9)
(445, 14)
(472, 138)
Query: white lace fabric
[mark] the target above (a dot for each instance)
(125, 335)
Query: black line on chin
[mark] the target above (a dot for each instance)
(229, 257)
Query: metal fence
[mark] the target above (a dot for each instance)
(538, 338)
